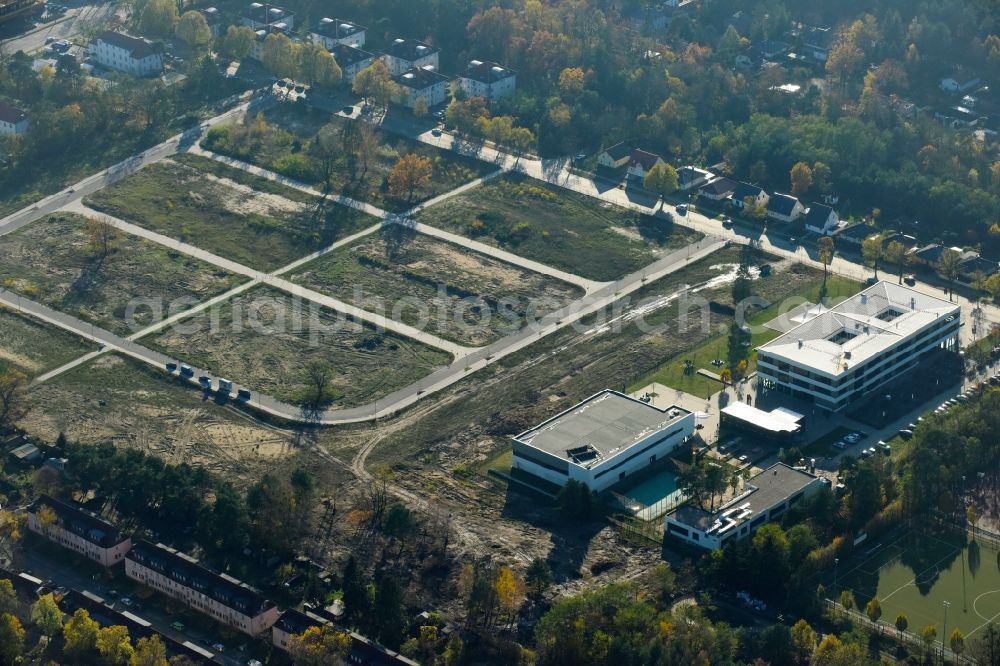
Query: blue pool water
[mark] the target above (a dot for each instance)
(652, 489)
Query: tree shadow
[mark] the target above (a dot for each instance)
(82, 288)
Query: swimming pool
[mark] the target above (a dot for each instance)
(652, 489)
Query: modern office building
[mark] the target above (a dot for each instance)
(843, 353)
(74, 528)
(765, 498)
(219, 596)
(602, 440)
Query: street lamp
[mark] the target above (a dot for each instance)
(944, 633)
(836, 570)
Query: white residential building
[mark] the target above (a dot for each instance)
(351, 61)
(602, 440)
(841, 354)
(78, 530)
(421, 82)
(784, 208)
(765, 498)
(261, 15)
(488, 80)
(128, 54)
(334, 31)
(405, 54)
(12, 120)
(219, 596)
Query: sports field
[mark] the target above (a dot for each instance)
(915, 573)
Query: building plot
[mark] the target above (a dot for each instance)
(279, 345)
(453, 292)
(562, 229)
(90, 270)
(31, 347)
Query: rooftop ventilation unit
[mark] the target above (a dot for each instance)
(326, 21)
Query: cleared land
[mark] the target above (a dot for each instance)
(261, 227)
(58, 262)
(35, 348)
(557, 227)
(284, 140)
(457, 294)
(268, 341)
(115, 399)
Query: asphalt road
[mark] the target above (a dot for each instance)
(67, 26)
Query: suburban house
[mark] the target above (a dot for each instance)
(332, 32)
(906, 240)
(213, 18)
(12, 120)
(351, 60)
(690, 177)
(74, 528)
(488, 80)
(821, 219)
(784, 208)
(422, 82)
(219, 596)
(854, 234)
(602, 440)
(975, 266)
(957, 117)
(719, 189)
(930, 255)
(815, 41)
(749, 60)
(765, 498)
(641, 162)
(616, 156)
(959, 83)
(125, 53)
(258, 16)
(744, 191)
(406, 54)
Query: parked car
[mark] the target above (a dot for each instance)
(854, 437)
(909, 280)
(682, 210)
(435, 132)
(177, 626)
(905, 434)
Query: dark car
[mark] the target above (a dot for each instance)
(348, 110)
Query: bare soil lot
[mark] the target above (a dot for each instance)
(55, 261)
(557, 227)
(261, 228)
(455, 293)
(33, 347)
(268, 340)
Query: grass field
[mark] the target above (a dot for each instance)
(257, 339)
(804, 283)
(916, 572)
(35, 348)
(264, 229)
(115, 399)
(457, 294)
(55, 262)
(284, 145)
(563, 229)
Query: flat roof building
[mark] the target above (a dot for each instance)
(219, 596)
(779, 424)
(843, 353)
(333, 31)
(74, 528)
(602, 440)
(407, 54)
(488, 80)
(765, 498)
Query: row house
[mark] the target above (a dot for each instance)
(78, 530)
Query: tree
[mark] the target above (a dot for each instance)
(871, 250)
(193, 29)
(319, 374)
(316, 66)
(986, 649)
(928, 634)
(572, 81)
(237, 42)
(80, 634)
(103, 236)
(420, 109)
(661, 179)
(149, 652)
(8, 597)
(114, 645)
(901, 623)
(388, 612)
(319, 646)
(159, 17)
(374, 83)
(278, 55)
(12, 386)
(801, 178)
(575, 501)
(847, 600)
(873, 609)
(46, 614)
(11, 638)
(538, 577)
(948, 267)
(957, 641)
(895, 253)
(355, 584)
(326, 147)
(803, 641)
(409, 174)
(506, 587)
(826, 249)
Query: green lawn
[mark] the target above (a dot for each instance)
(54, 261)
(267, 340)
(35, 348)
(557, 227)
(460, 295)
(264, 229)
(286, 145)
